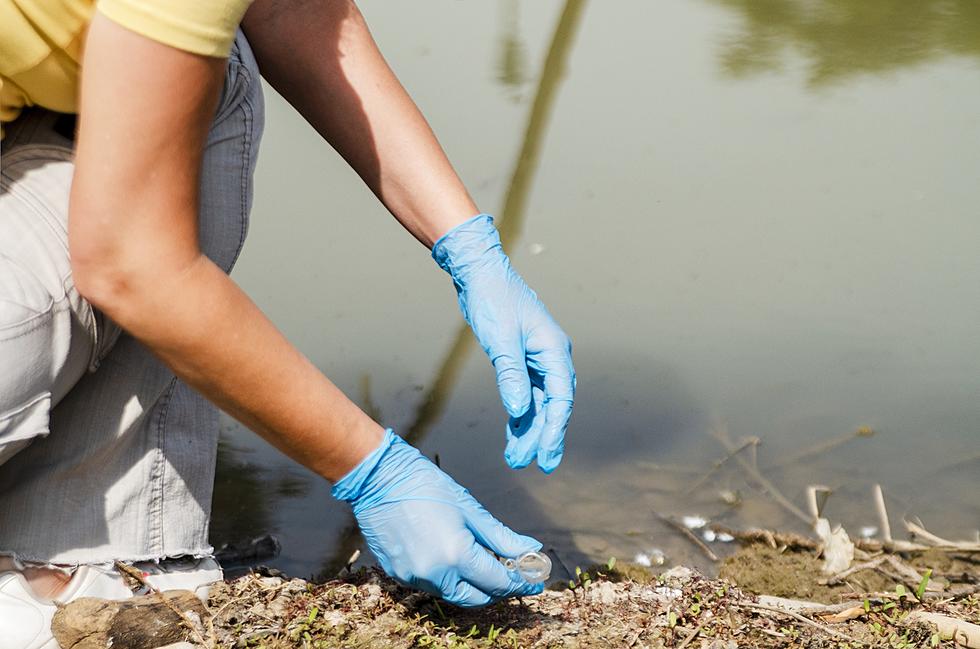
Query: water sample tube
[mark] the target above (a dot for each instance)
(535, 567)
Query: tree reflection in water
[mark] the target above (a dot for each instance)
(246, 495)
(840, 39)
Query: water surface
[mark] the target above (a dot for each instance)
(757, 217)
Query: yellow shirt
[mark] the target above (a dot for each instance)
(41, 41)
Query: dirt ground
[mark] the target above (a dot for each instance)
(611, 606)
(772, 592)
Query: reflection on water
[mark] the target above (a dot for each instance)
(840, 39)
(512, 64)
(512, 216)
(247, 494)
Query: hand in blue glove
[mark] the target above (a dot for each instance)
(428, 532)
(530, 353)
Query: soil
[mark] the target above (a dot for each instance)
(619, 606)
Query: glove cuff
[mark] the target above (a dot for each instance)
(467, 245)
(349, 487)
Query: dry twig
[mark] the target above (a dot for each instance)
(691, 636)
(798, 617)
(833, 580)
(917, 529)
(775, 540)
(886, 528)
(747, 442)
(822, 447)
(722, 436)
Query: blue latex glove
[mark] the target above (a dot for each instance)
(430, 533)
(530, 353)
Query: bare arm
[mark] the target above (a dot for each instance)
(321, 57)
(135, 255)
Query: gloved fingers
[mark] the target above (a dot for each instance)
(494, 535)
(512, 378)
(552, 444)
(464, 594)
(524, 432)
(559, 395)
(485, 573)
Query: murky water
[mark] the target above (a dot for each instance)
(752, 217)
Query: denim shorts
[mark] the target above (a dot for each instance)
(104, 454)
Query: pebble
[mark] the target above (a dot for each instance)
(722, 537)
(654, 557)
(604, 592)
(868, 531)
(661, 594)
(729, 497)
(694, 522)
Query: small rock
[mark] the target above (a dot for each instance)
(730, 498)
(295, 586)
(604, 592)
(868, 531)
(653, 557)
(277, 607)
(270, 582)
(661, 594)
(144, 621)
(694, 522)
(679, 574)
(371, 597)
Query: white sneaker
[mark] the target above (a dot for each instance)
(195, 575)
(25, 618)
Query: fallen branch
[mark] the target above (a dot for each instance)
(793, 541)
(796, 616)
(857, 567)
(909, 575)
(774, 540)
(964, 634)
(939, 542)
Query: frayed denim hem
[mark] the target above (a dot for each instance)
(21, 561)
